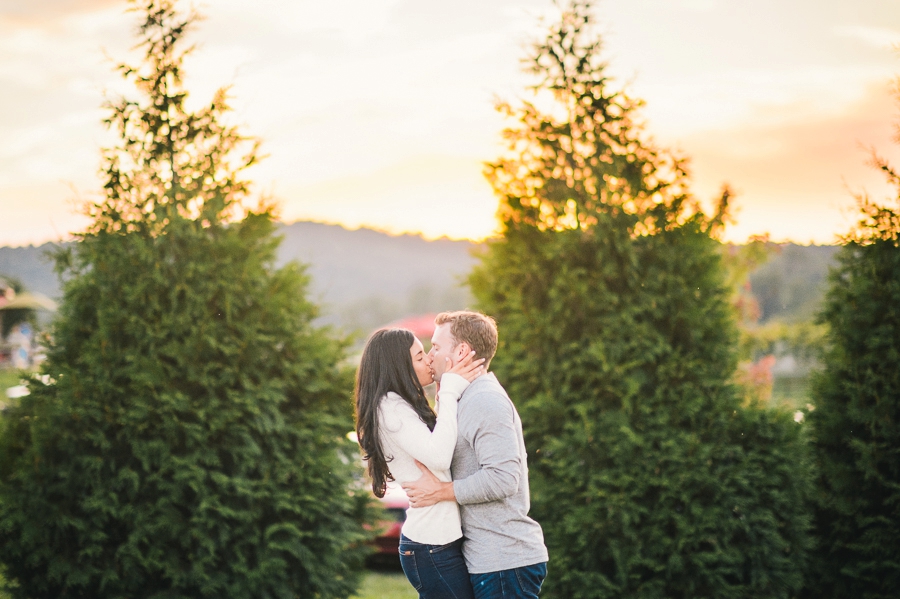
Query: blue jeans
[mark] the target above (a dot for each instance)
(521, 583)
(436, 571)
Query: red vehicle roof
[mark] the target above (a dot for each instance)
(422, 325)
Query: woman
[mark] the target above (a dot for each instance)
(396, 427)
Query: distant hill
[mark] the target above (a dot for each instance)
(32, 266)
(364, 278)
(791, 284)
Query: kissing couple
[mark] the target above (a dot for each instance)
(467, 533)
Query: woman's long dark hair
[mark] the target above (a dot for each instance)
(386, 365)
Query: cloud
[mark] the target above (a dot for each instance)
(435, 195)
(796, 171)
(698, 5)
(879, 37)
(347, 94)
(43, 12)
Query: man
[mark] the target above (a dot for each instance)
(503, 548)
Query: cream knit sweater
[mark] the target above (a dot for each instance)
(405, 438)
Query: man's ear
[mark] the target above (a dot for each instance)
(462, 350)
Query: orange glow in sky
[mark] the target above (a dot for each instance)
(380, 112)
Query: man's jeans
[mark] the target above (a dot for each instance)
(520, 583)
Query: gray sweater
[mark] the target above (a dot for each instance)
(490, 480)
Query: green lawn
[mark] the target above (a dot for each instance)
(378, 584)
(8, 378)
(792, 392)
(383, 584)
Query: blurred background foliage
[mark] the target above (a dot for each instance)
(365, 278)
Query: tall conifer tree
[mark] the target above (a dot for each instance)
(856, 420)
(617, 342)
(187, 438)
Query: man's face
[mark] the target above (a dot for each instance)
(443, 346)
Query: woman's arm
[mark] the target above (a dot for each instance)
(433, 448)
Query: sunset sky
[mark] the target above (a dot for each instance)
(380, 112)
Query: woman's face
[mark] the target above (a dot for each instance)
(421, 363)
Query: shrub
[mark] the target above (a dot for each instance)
(856, 420)
(187, 438)
(649, 476)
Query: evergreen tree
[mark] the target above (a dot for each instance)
(187, 440)
(856, 420)
(618, 344)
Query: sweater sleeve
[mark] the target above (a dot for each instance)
(433, 448)
(496, 446)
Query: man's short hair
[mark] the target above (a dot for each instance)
(474, 328)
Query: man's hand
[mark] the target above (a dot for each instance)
(428, 489)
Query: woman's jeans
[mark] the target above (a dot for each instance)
(436, 571)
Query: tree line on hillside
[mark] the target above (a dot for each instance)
(364, 278)
(361, 279)
(186, 435)
(790, 284)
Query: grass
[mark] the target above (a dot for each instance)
(381, 584)
(8, 378)
(792, 392)
(385, 584)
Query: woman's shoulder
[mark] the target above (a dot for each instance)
(391, 398)
(391, 402)
(395, 412)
